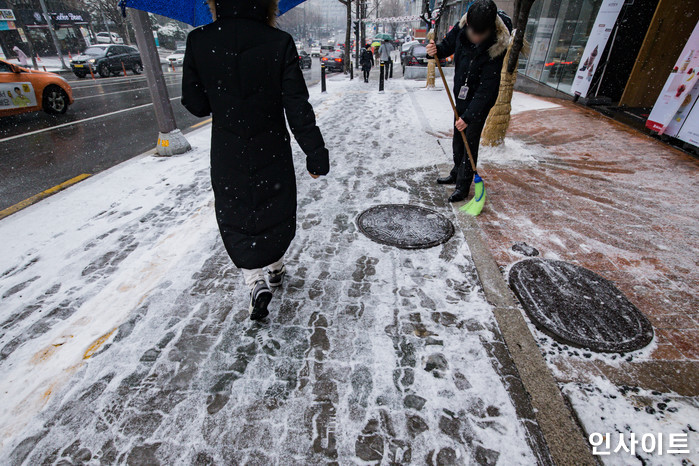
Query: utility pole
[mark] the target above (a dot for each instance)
(52, 31)
(171, 141)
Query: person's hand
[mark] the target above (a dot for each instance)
(460, 124)
(432, 49)
(315, 177)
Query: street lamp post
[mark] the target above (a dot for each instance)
(171, 141)
(52, 31)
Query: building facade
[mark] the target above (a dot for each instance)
(26, 27)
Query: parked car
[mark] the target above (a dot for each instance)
(305, 60)
(404, 50)
(417, 56)
(108, 38)
(334, 61)
(315, 51)
(177, 57)
(107, 60)
(23, 90)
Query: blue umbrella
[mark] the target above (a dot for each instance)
(194, 12)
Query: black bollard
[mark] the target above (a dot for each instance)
(381, 75)
(323, 87)
(391, 69)
(351, 72)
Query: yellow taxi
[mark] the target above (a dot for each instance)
(23, 90)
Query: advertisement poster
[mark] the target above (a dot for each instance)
(690, 129)
(680, 117)
(678, 86)
(604, 24)
(16, 95)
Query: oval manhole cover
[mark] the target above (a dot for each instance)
(405, 226)
(578, 307)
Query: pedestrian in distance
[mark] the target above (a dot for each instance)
(245, 72)
(21, 56)
(385, 52)
(366, 61)
(478, 42)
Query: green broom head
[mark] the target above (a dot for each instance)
(475, 205)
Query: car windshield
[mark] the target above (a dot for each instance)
(96, 51)
(420, 51)
(337, 55)
(180, 51)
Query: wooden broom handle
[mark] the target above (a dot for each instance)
(456, 114)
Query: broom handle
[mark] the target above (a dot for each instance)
(456, 114)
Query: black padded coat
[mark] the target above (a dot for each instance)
(246, 74)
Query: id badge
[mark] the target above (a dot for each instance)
(463, 92)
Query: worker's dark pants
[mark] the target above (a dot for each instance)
(462, 166)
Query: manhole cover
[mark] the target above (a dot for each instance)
(405, 226)
(578, 307)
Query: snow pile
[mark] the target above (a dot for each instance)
(617, 412)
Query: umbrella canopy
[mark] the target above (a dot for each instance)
(376, 44)
(194, 12)
(383, 37)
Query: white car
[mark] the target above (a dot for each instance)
(315, 51)
(177, 58)
(104, 38)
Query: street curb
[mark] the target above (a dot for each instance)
(564, 437)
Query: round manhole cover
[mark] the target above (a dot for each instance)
(578, 307)
(405, 226)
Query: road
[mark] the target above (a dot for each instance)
(111, 121)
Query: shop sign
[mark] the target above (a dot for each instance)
(677, 88)
(604, 24)
(7, 15)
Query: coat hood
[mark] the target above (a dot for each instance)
(260, 10)
(502, 36)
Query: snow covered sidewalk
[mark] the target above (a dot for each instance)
(124, 334)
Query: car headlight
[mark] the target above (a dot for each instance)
(91, 60)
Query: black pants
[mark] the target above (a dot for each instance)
(366, 71)
(462, 166)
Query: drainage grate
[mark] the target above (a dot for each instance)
(578, 307)
(405, 226)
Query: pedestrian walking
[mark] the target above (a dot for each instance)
(479, 42)
(246, 73)
(21, 56)
(366, 61)
(385, 52)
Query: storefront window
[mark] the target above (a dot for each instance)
(558, 31)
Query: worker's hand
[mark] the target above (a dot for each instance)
(315, 177)
(432, 49)
(461, 124)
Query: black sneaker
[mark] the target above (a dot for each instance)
(260, 296)
(276, 277)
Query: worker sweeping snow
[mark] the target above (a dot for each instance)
(479, 42)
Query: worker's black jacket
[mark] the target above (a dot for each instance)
(478, 66)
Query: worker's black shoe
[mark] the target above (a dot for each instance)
(451, 179)
(458, 195)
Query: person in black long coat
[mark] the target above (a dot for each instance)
(366, 60)
(479, 42)
(245, 72)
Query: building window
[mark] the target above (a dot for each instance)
(558, 31)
